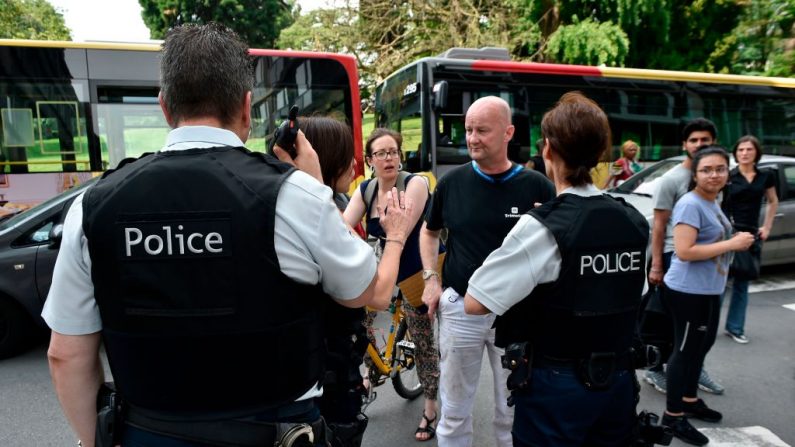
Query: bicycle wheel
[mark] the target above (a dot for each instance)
(406, 381)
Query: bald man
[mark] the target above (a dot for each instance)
(478, 203)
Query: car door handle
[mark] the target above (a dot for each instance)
(779, 215)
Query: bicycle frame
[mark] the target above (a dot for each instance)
(379, 362)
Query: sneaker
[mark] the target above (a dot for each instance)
(739, 338)
(658, 380)
(681, 428)
(706, 383)
(700, 410)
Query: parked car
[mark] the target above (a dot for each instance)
(29, 244)
(779, 248)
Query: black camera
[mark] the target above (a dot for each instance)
(286, 133)
(650, 432)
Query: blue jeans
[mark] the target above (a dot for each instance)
(558, 411)
(735, 318)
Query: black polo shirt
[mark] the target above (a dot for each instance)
(743, 199)
(478, 211)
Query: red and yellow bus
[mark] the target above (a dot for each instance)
(71, 110)
(427, 100)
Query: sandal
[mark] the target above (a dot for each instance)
(429, 429)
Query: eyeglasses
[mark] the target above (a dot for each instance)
(383, 155)
(720, 170)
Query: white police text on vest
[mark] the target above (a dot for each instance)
(610, 263)
(170, 240)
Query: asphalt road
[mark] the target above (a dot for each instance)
(759, 378)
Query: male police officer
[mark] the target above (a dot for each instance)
(204, 267)
(582, 255)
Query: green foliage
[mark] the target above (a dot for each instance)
(31, 19)
(588, 43)
(730, 36)
(762, 42)
(258, 22)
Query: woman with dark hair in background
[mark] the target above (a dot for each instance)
(333, 143)
(343, 389)
(383, 153)
(703, 243)
(743, 201)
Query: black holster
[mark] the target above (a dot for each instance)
(109, 416)
(518, 358)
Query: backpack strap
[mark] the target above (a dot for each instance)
(369, 190)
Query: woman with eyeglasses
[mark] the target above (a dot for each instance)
(383, 154)
(743, 201)
(703, 243)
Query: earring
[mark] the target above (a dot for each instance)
(400, 166)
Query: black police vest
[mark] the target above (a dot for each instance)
(592, 306)
(196, 313)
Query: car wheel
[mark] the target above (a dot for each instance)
(16, 329)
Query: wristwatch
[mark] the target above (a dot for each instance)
(427, 273)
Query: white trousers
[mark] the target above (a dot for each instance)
(462, 339)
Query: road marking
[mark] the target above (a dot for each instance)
(790, 306)
(742, 437)
(771, 284)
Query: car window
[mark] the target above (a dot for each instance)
(645, 181)
(40, 234)
(789, 178)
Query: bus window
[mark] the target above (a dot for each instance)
(43, 127)
(400, 110)
(319, 87)
(130, 123)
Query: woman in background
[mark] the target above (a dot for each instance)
(743, 201)
(626, 166)
(383, 153)
(703, 243)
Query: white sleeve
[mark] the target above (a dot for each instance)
(528, 256)
(70, 307)
(313, 243)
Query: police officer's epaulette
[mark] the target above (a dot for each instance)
(281, 166)
(125, 162)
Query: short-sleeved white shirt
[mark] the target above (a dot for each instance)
(529, 256)
(311, 241)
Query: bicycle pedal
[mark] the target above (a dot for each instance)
(407, 345)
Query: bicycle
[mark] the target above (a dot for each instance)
(395, 359)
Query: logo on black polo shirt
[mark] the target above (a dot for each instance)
(514, 213)
(174, 238)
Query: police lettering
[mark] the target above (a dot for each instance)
(617, 262)
(172, 242)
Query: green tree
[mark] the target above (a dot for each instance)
(257, 21)
(31, 19)
(589, 43)
(762, 43)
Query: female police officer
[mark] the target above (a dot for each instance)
(567, 280)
